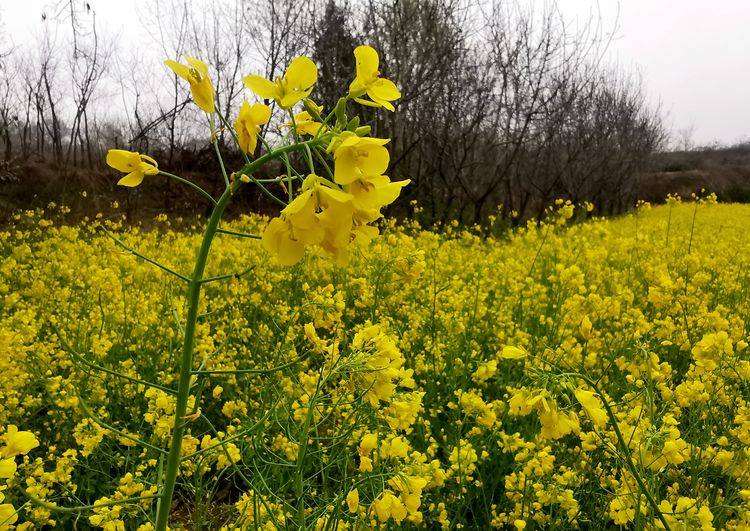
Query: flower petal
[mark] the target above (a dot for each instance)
(262, 87)
(384, 89)
(259, 113)
(199, 65)
(367, 61)
(302, 73)
(123, 160)
(179, 69)
(277, 240)
(203, 95)
(134, 178)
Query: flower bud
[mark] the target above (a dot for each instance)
(353, 124)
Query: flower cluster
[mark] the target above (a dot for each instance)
(14, 444)
(440, 380)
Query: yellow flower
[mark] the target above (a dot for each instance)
(373, 193)
(7, 468)
(306, 211)
(368, 81)
(306, 124)
(134, 164)
(17, 442)
(593, 406)
(8, 515)
(512, 353)
(196, 74)
(389, 506)
(295, 85)
(352, 500)
(586, 328)
(357, 157)
(368, 443)
(556, 423)
(277, 239)
(248, 123)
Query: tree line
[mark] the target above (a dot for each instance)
(504, 108)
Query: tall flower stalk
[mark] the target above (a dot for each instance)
(334, 212)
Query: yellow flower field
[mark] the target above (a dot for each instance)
(440, 379)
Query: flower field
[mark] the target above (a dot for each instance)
(591, 375)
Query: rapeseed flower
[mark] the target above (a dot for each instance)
(248, 124)
(358, 157)
(196, 74)
(136, 166)
(368, 81)
(295, 85)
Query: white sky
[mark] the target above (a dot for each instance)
(694, 55)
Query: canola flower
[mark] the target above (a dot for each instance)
(14, 443)
(416, 412)
(322, 214)
(196, 74)
(558, 376)
(368, 81)
(249, 121)
(291, 88)
(135, 165)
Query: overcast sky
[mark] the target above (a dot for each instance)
(694, 55)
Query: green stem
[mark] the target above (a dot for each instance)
(186, 363)
(215, 142)
(227, 276)
(628, 455)
(81, 359)
(238, 234)
(190, 184)
(144, 257)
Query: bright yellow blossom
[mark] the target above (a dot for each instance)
(368, 81)
(17, 442)
(352, 500)
(593, 407)
(358, 157)
(248, 124)
(7, 468)
(510, 352)
(306, 125)
(374, 192)
(8, 515)
(278, 239)
(295, 85)
(196, 73)
(321, 214)
(586, 328)
(134, 164)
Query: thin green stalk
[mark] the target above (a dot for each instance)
(86, 409)
(77, 357)
(215, 142)
(190, 184)
(227, 276)
(628, 455)
(186, 360)
(326, 167)
(238, 234)
(186, 363)
(144, 257)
